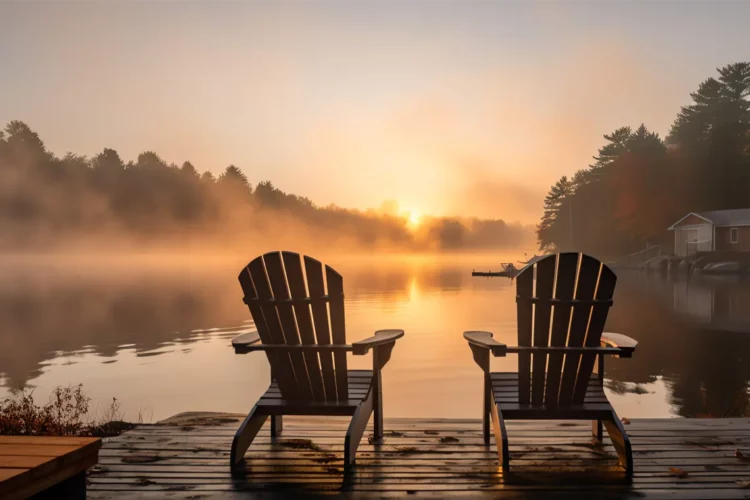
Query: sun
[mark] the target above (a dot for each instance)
(414, 218)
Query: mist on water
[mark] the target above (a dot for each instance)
(104, 204)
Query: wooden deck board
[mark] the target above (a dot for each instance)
(430, 456)
(33, 464)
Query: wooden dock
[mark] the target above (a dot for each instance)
(493, 274)
(674, 458)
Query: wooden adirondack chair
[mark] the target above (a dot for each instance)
(560, 321)
(291, 305)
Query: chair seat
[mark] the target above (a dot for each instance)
(505, 394)
(360, 382)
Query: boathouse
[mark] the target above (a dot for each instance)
(716, 231)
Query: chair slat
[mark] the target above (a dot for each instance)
(287, 321)
(338, 332)
(283, 369)
(545, 278)
(588, 276)
(314, 273)
(524, 308)
(295, 277)
(567, 270)
(246, 282)
(604, 291)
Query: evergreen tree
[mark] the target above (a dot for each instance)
(556, 222)
(233, 175)
(713, 134)
(189, 170)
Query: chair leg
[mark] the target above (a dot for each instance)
(277, 425)
(501, 438)
(486, 400)
(596, 429)
(377, 394)
(356, 430)
(245, 435)
(621, 442)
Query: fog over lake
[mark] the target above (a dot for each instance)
(156, 334)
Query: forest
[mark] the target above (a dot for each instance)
(48, 203)
(640, 184)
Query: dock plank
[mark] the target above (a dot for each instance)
(51, 465)
(674, 458)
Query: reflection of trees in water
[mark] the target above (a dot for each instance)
(44, 313)
(708, 370)
(40, 316)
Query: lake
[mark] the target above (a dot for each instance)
(156, 333)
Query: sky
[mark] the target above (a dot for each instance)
(469, 108)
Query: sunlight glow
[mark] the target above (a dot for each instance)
(414, 218)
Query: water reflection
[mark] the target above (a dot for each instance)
(700, 350)
(43, 315)
(157, 338)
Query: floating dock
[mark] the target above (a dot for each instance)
(495, 274)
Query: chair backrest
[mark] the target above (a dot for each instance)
(291, 304)
(566, 305)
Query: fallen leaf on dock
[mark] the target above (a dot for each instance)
(97, 469)
(300, 444)
(624, 421)
(739, 454)
(676, 472)
(448, 439)
(325, 459)
(141, 459)
(406, 450)
(743, 484)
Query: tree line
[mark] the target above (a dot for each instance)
(639, 184)
(48, 201)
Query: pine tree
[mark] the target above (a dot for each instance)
(233, 175)
(713, 134)
(555, 229)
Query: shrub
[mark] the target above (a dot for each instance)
(66, 413)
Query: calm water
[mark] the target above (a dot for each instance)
(157, 336)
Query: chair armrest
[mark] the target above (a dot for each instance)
(381, 337)
(240, 342)
(623, 342)
(485, 340)
(243, 349)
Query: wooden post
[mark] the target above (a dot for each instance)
(73, 488)
(277, 425)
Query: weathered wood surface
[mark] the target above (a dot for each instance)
(33, 464)
(674, 458)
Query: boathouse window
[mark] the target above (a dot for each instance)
(734, 235)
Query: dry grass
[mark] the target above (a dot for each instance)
(66, 413)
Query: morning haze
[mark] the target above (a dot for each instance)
(356, 103)
(530, 187)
